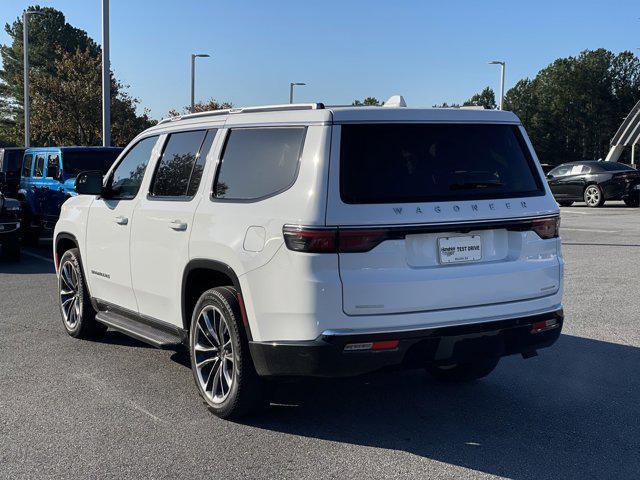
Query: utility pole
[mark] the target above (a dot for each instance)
(106, 77)
(25, 62)
(502, 65)
(193, 78)
(291, 85)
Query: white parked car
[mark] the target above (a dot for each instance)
(304, 240)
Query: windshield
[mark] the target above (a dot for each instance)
(392, 163)
(76, 161)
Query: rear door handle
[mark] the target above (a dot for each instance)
(120, 220)
(178, 225)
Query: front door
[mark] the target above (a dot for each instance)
(108, 263)
(53, 192)
(162, 224)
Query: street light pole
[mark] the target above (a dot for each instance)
(25, 64)
(291, 85)
(106, 77)
(193, 77)
(502, 64)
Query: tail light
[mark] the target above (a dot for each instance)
(332, 239)
(546, 227)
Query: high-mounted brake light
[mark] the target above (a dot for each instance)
(546, 227)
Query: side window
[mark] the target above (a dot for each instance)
(180, 166)
(39, 170)
(26, 165)
(125, 180)
(53, 166)
(259, 162)
(576, 170)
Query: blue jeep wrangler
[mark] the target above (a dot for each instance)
(47, 179)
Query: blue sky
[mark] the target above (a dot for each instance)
(428, 51)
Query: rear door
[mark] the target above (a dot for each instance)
(163, 221)
(430, 217)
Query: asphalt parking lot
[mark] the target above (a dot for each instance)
(119, 409)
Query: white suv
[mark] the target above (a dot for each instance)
(305, 240)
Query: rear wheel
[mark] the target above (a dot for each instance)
(633, 201)
(593, 196)
(220, 357)
(463, 372)
(78, 315)
(565, 203)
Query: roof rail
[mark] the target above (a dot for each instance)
(208, 113)
(263, 108)
(275, 108)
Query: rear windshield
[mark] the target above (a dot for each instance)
(614, 167)
(12, 160)
(394, 163)
(75, 162)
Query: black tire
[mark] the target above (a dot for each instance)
(593, 196)
(247, 392)
(565, 203)
(78, 316)
(633, 201)
(11, 249)
(463, 372)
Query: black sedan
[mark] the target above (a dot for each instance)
(595, 182)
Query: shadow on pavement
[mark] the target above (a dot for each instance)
(572, 412)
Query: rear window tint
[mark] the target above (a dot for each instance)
(395, 163)
(259, 162)
(614, 167)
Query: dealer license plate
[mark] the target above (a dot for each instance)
(466, 248)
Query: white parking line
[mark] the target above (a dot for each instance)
(589, 230)
(576, 212)
(39, 257)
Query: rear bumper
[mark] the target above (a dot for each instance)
(325, 356)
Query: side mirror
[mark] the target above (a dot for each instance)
(89, 183)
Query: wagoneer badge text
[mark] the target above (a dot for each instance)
(456, 208)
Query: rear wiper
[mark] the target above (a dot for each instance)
(469, 185)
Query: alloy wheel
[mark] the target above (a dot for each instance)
(592, 196)
(70, 300)
(213, 354)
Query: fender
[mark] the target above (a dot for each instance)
(63, 236)
(215, 266)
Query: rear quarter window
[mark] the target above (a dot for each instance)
(395, 163)
(259, 162)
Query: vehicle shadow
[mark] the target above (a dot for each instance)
(572, 412)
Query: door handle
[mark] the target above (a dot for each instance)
(120, 220)
(178, 225)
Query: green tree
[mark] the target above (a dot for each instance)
(207, 106)
(486, 98)
(573, 107)
(64, 109)
(367, 102)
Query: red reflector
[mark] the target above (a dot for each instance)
(386, 345)
(361, 240)
(538, 327)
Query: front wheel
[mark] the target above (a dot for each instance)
(633, 201)
(565, 203)
(220, 357)
(593, 196)
(78, 315)
(463, 372)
